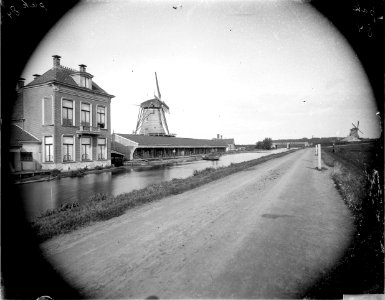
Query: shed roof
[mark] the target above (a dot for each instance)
(146, 140)
(19, 136)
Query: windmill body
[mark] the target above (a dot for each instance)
(353, 135)
(152, 116)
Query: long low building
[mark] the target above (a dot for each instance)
(289, 144)
(134, 146)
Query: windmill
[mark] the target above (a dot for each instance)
(151, 117)
(353, 135)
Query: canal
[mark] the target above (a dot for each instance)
(41, 196)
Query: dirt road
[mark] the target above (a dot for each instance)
(267, 232)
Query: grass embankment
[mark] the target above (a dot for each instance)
(357, 173)
(103, 207)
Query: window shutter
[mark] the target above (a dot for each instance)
(68, 139)
(47, 108)
(85, 106)
(48, 140)
(67, 103)
(86, 141)
(101, 141)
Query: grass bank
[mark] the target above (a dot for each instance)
(103, 207)
(358, 176)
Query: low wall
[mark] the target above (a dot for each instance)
(77, 165)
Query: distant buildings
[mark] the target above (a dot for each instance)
(61, 120)
(289, 144)
(229, 142)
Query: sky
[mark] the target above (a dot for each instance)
(243, 69)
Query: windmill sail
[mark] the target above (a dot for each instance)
(157, 86)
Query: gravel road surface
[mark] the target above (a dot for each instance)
(267, 232)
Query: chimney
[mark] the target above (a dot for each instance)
(221, 137)
(56, 60)
(82, 68)
(218, 136)
(35, 76)
(20, 83)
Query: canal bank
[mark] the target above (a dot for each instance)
(102, 207)
(39, 197)
(31, 177)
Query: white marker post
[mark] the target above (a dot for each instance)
(316, 149)
(319, 157)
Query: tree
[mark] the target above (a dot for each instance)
(265, 144)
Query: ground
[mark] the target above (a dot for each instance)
(268, 232)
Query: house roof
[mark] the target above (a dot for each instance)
(19, 136)
(227, 141)
(62, 75)
(148, 141)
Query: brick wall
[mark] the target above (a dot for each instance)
(78, 98)
(17, 112)
(31, 102)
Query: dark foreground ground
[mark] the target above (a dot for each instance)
(270, 231)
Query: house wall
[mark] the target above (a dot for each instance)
(36, 122)
(17, 111)
(80, 97)
(32, 105)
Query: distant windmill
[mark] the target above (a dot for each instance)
(152, 118)
(353, 135)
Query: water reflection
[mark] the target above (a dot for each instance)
(41, 196)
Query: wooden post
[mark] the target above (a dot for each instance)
(319, 157)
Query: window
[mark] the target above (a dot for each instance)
(47, 111)
(68, 148)
(85, 82)
(86, 148)
(26, 156)
(102, 149)
(101, 117)
(82, 81)
(85, 114)
(48, 142)
(89, 83)
(68, 112)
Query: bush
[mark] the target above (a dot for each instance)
(77, 173)
(204, 171)
(98, 197)
(68, 206)
(55, 172)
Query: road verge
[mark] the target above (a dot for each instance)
(357, 178)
